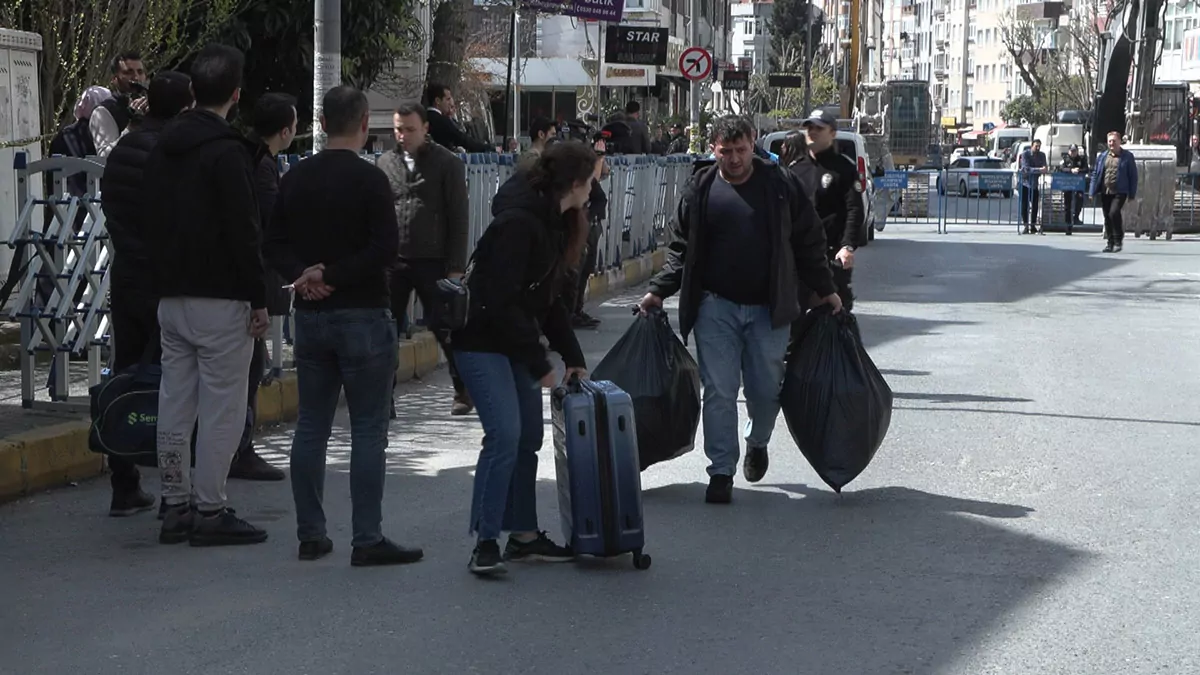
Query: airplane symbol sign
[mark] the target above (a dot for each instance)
(695, 63)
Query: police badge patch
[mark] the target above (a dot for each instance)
(826, 180)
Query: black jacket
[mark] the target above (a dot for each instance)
(446, 133)
(1079, 161)
(514, 281)
(806, 172)
(266, 189)
(199, 195)
(798, 236)
(431, 205)
(125, 208)
(839, 199)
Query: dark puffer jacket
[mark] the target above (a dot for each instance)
(124, 207)
(515, 280)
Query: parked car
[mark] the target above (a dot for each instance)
(965, 172)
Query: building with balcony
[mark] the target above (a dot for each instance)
(1181, 44)
(750, 43)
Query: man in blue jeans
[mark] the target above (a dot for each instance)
(334, 232)
(745, 242)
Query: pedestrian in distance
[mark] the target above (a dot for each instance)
(838, 199)
(334, 231)
(1115, 180)
(1076, 164)
(518, 294)
(1030, 167)
(133, 288)
(429, 189)
(745, 242)
(199, 195)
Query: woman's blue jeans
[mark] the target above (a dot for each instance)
(509, 403)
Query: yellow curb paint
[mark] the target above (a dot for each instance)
(57, 455)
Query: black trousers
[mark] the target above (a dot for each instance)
(1031, 200)
(422, 276)
(590, 257)
(258, 369)
(841, 279)
(135, 322)
(1114, 226)
(1073, 204)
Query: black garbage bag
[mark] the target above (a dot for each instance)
(836, 402)
(651, 364)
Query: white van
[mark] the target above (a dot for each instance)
(854, 147)
(1001, 140)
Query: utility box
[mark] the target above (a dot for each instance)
(20, 120)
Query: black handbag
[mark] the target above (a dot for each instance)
(455, 298)
(124, 411)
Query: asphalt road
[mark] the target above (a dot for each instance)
(1033, 510)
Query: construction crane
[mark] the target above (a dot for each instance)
(1130, 45)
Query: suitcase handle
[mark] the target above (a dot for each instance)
(573, 385)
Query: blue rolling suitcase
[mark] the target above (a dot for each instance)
(599, 476)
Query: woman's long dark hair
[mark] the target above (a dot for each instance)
(559, 168)
(795, 147)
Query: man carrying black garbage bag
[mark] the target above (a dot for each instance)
(745, 239)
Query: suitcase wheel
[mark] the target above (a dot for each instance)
(641, 561)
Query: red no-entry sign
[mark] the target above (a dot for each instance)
(695, 63)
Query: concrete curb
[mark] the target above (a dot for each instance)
(58, 455)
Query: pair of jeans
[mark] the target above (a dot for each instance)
(1114, 224)
(1031, 199)
(588, 266)
(258, 369)
(1073, 206)
(734, 342)
(355, 350)
(422, 276)
(509, 403)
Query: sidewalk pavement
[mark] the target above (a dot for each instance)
(41, 450)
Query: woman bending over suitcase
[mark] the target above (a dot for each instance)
(538, 231)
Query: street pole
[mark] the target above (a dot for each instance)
(694, 88)
(516, 39)
(327, 61)
(966, 58)
(808, 57)
(508, 82)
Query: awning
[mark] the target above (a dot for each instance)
(973, 135)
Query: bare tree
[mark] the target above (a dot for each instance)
(1059, 63)
(80, 38)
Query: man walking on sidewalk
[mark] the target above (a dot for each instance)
(1031, 166)
(746, 238)
(274, 130)
(133, 291)
(334, 232)
(1115, 179)
(200, 198)
(429, 190)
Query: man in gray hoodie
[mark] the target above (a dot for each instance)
(429, 187)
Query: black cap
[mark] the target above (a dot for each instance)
(823, 118)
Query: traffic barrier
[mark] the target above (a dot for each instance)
(62, 299)
(900, 197)
(1185, 207)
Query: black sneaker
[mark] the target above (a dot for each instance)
(1107, 249)
(754, 466)
(247, 465)
(385, 552)
(1117, 248)
(462, 405)
(720, 490)
(541, 549)
(129, 502)
(486, 560)
(177, 523)
(316, 549)
(224, 528)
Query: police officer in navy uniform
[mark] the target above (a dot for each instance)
(839, 199)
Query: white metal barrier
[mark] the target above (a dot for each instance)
(62, 300)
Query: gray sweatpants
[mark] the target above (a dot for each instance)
(206, 351)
